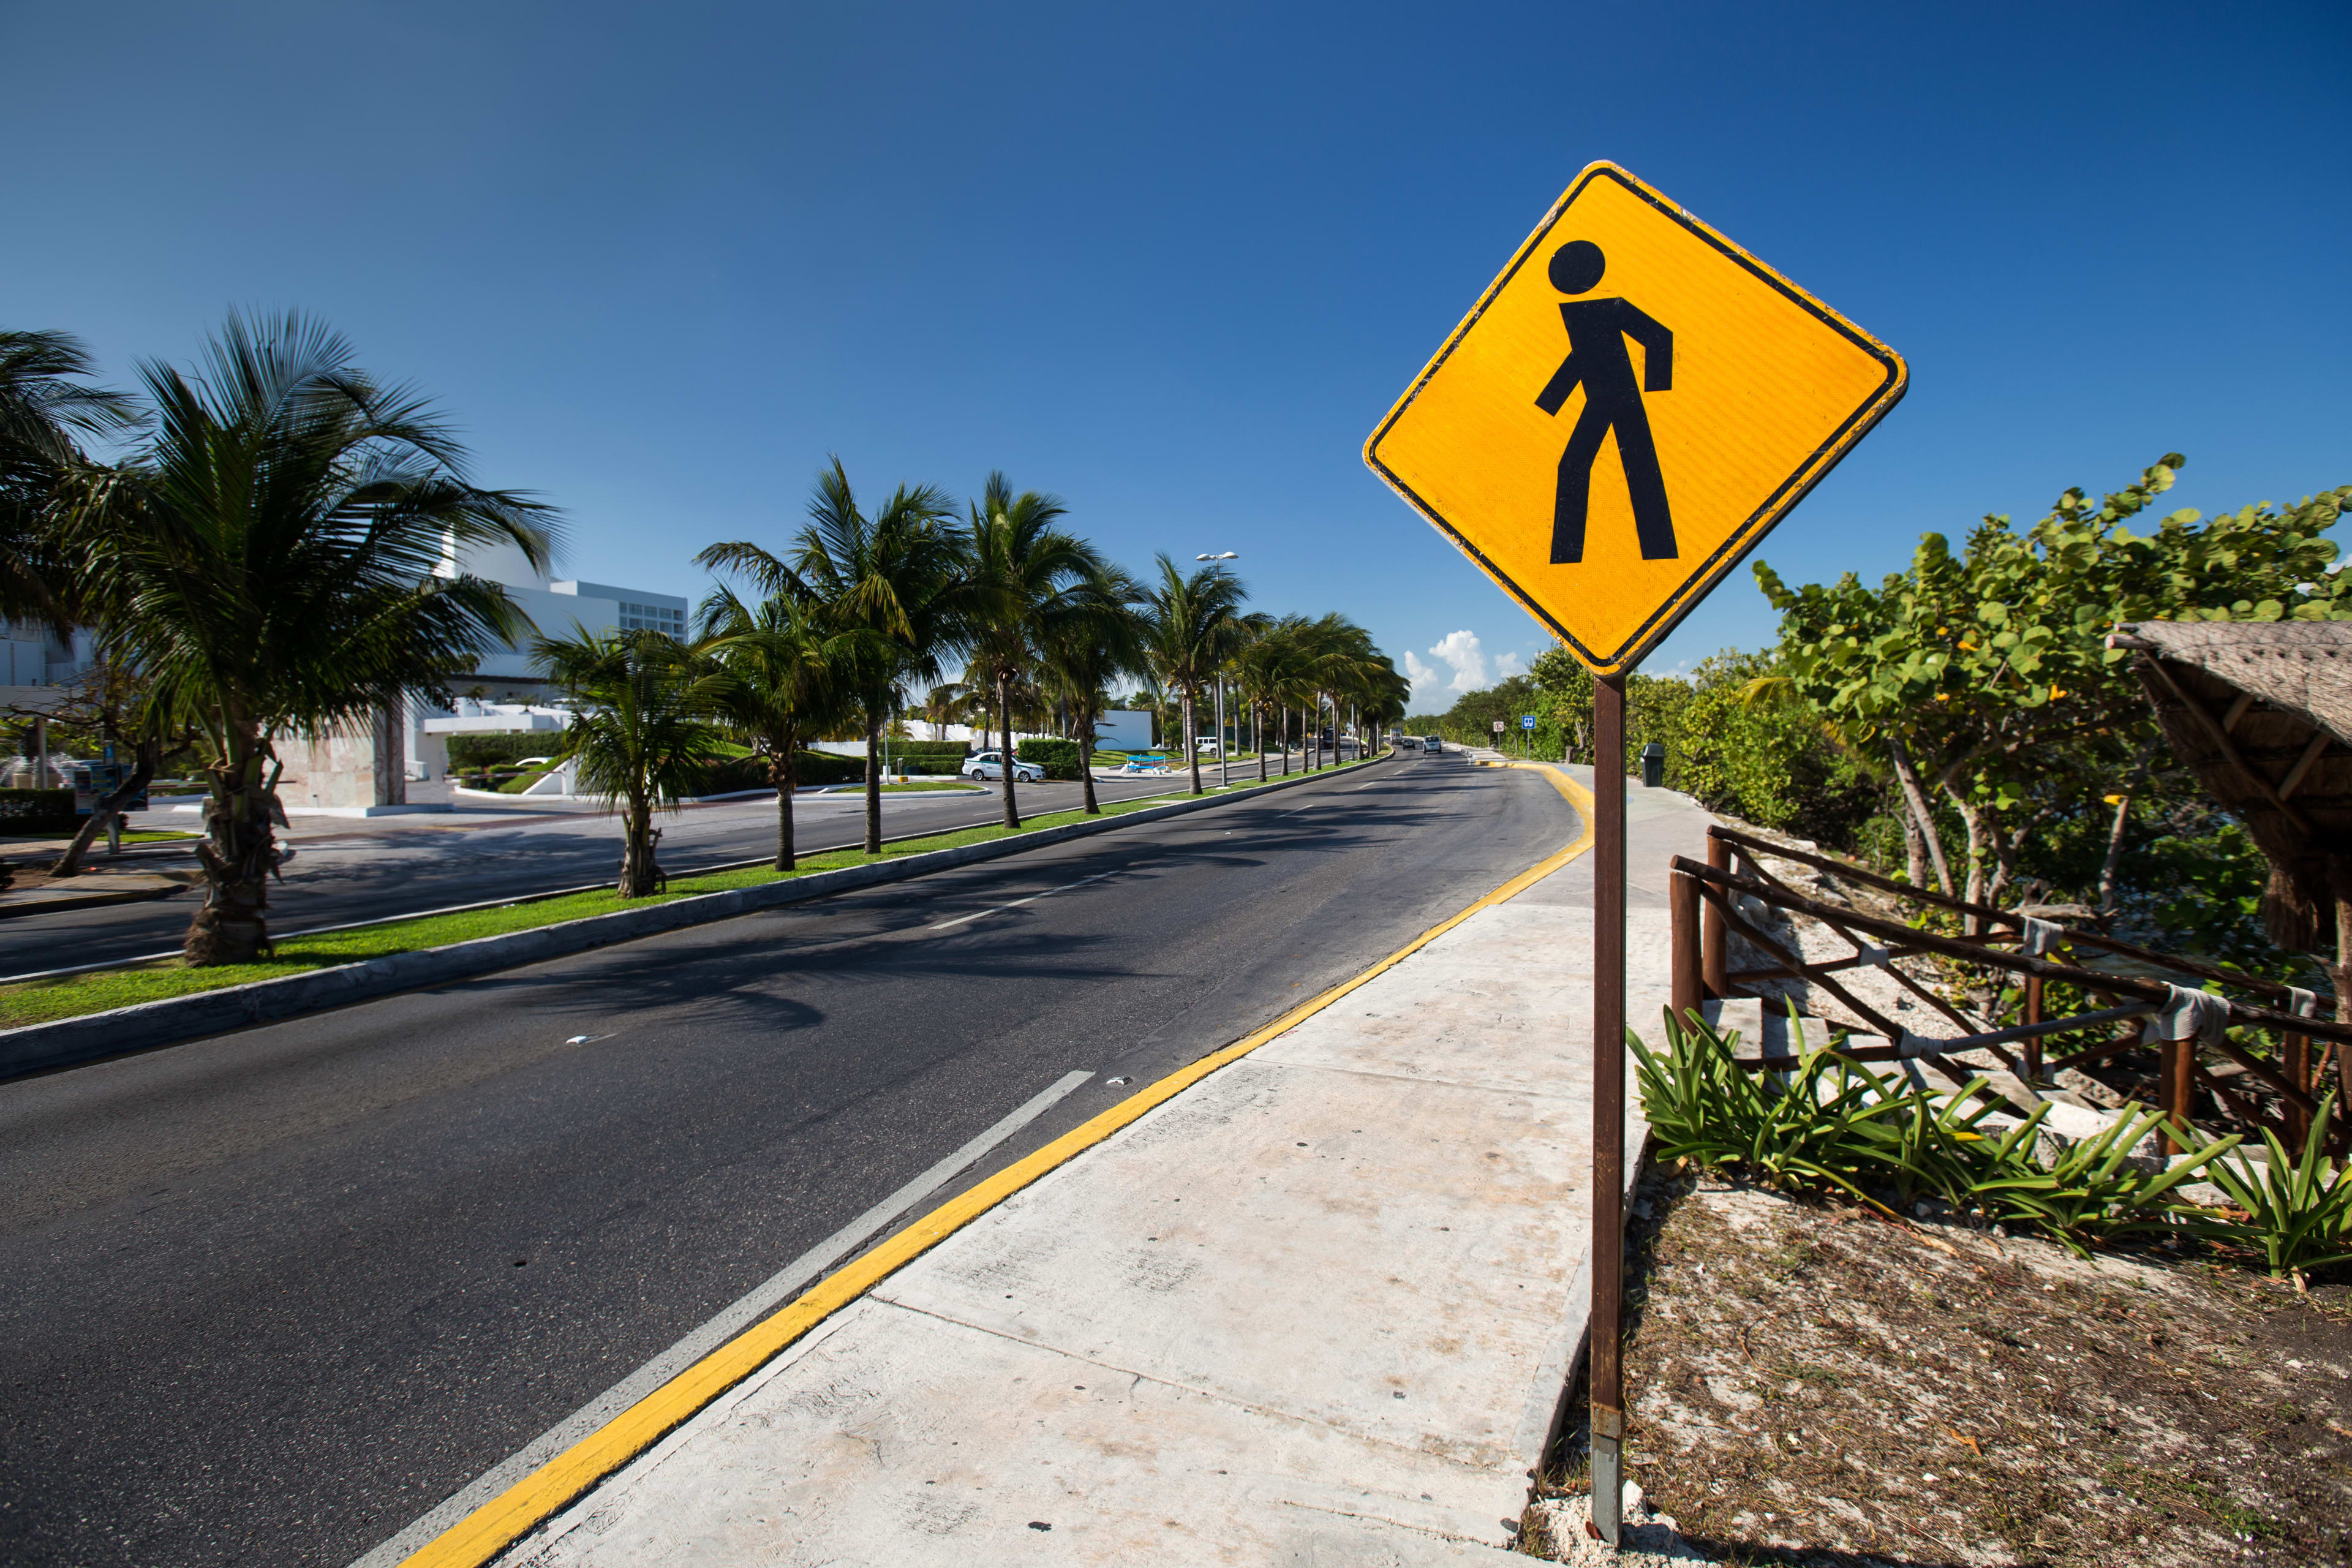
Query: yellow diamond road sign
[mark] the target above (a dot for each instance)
(1627, 409)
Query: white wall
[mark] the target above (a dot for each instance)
(1124, 729)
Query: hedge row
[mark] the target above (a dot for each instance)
(37, 811)
(926, 757)
(489, 751)
(1059, 758)
(810, 767)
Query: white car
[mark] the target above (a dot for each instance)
(990, 765)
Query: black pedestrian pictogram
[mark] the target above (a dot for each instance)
(1598, 361)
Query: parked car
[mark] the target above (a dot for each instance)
(1434, 742)
(990, 765)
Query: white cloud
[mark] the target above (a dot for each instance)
(1508, 665)
(1419, 674)
(1460, 649)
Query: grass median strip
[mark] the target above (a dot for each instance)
(98, 991)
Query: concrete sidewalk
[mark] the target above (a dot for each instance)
(1317, 1309)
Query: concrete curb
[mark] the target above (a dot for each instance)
(70, 1041)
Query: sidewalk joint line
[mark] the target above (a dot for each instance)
(1231, 1402)
(1410, 1078)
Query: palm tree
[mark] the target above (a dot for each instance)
(268, 558)
(1270, 674)
(642, 735)
(1036, 576)
(784, 678)
(1339, 655)
(1382, 696)
(1189, 625)
(43, 406)
(952, 702)
(1083, 651)
(899, 573)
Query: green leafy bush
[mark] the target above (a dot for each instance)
(1059, 758)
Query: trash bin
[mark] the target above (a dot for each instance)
(1654, 765)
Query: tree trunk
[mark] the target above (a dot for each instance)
(1916, 799)
(1973, 889)
(2115, 830)
(785, 771)
(873, 785)
(1915, 848)
(1004, 708)
(238, 852)
(640, 877)
(69, 863)
(1192, 746)
(1087, 762)
(1257, 739)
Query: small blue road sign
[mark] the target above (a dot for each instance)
(1526, 720)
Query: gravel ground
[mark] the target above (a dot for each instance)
(1811, 1383)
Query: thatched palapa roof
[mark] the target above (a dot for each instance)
(2262, 712)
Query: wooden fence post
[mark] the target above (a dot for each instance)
(1715, 967)
(1683, 904)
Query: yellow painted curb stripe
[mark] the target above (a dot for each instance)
(521, 1507)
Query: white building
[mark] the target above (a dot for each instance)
(36, 666)
(504, 693)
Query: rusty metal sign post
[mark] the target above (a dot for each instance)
(1627, 410)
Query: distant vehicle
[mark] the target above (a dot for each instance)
(1434, 742)
(990, 765)
(1207, 748)
(1408, 742)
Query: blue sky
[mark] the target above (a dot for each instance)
(1175, 262)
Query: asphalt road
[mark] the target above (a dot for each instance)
(346, 870)
(271, 1296)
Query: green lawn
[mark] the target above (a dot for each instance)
(38, 1002)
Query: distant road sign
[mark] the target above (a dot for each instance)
(1606, 491)
(1498, 726)
(1526, 720)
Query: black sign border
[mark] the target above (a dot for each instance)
(1748, 534)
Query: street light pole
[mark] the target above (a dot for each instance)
(1225, 758)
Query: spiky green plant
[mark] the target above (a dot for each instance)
(1790, 1130)
(2092, 1193)
(2298, 1211)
